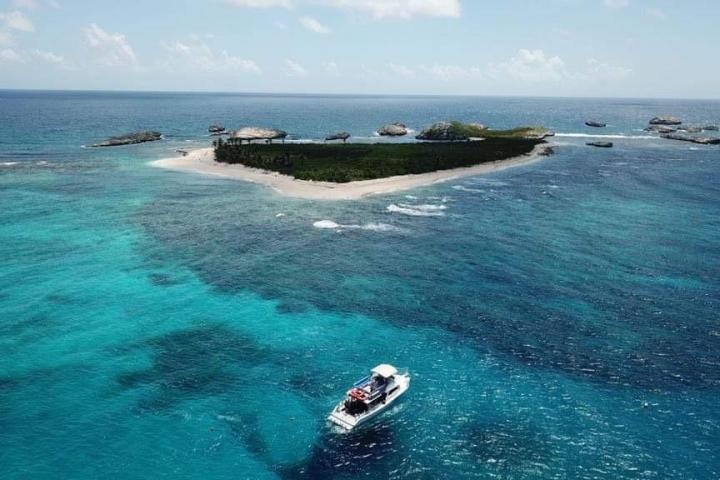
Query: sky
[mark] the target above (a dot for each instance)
(587, 48)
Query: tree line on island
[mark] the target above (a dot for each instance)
(345, 162)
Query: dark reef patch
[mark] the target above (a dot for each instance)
(192, 363)
(370, 452)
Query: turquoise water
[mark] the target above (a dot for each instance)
(560, 319)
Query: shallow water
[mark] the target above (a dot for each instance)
(559, 319)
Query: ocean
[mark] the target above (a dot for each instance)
(559, 319)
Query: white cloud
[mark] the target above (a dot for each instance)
(448, 73)
(10, 55)
(198, 55)
(261, 3)
(313, 25)
(401, 70)
(596, 70)
(48, 57)
(379, 9)
(332, 69)
(656, 13)
(294, 69)
(616, 3)
(402, 8)
(35, 4)
(113, 48)
(532, 66)
(16, 20)
(27, 4)
(5, 38)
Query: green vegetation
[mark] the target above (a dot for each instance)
(348, 162)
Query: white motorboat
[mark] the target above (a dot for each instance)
(370, 396)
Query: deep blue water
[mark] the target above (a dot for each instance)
(560, 319)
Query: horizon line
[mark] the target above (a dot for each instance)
(326, 94)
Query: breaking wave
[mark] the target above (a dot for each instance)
(417, 210)
(375, 227)
(462, 188)
(617, 136)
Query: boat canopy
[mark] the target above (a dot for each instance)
(385, 370)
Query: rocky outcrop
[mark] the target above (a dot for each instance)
(338, 136)
(711, 128)
(393, 130)
(660, 129)
(130, 139)
(687, 138)
(457, 131)
(216, 129)
(451, 132)
(666, 120)
(594, 124)
(258, 133)
(600, 144)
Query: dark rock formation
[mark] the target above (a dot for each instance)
(591, 123)
(216, 129)
(393, 130)
(443, 131)
(687, 138)
(600, 144)
(668, 120)
(338, 136)
(711, 128)
(130, 138)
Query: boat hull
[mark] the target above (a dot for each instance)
(348, 422)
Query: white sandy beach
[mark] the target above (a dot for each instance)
(202, 161)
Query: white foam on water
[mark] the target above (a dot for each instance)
(279, 215)
(374, 227)
(413, 211)
(8, 164)
(618, 136)
(463, 188)
(424, 208)
(326, 224)
(489, 181)
(411, 197)
(380, 227)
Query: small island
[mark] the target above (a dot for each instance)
(348, 162)
(353, 170)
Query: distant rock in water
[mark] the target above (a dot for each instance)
(668, 120)
(687, 138)
(591, 123)
(258, 133)
(711, 128)
(216, 129)
(393, 130)
(600, 144)
(660, 129)
(130, 138)
(338, 136)
(691, 129)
